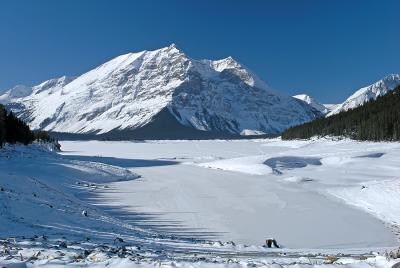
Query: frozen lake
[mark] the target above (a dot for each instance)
(304, 194)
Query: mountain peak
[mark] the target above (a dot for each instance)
(312, 102)
(18, 91)
(227, 63)
(229, 59)
(371, 92)
(53, 84)
(172, 48)
(392, 77)
(303, 97)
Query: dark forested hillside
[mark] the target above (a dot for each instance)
(14, 130)
(376, 120)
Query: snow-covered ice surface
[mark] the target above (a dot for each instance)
(171, 202)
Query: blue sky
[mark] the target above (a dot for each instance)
(323, 48)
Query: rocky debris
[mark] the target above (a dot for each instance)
(118, 240)
(393, 254)
(48, 250)
(62, 245)
(271, 242)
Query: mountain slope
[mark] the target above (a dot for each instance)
(312, 102)
(330, 106)
(127, 92)
(376, 120)
(368, 93)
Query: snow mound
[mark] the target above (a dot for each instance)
(297, 179)
(55, 190)
(248, 165)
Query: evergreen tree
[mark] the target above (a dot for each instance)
(2, 125)
(14, 130)
(17, 130)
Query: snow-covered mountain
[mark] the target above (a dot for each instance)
(367, 93)
(138, 90)
(314, 103)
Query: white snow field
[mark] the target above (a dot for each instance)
(180, 203)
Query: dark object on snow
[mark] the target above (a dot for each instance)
(271, 242)
(231, 243)
(119, 239)
(62, 245)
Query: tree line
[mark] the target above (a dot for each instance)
(14, 130)
(376, 120)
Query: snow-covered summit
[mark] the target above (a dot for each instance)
(314, 103)
(52, 84)
(18, 91)
(131, 90)
(367, 93)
